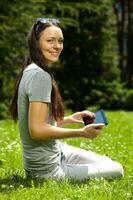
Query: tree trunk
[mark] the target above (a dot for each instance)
(129, 71)
(124, 13)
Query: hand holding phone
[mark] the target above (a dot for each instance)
(100, 117)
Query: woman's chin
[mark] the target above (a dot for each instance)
(54, 60)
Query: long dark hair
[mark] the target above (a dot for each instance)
(36, 56)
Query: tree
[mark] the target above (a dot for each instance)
(88, 59)
(124, 12)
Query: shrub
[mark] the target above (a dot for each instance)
(129, 100)
(88, 66)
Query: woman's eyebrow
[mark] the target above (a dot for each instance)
(51, 37)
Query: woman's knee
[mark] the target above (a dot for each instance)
(118, 169)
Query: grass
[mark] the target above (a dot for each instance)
(116, 141)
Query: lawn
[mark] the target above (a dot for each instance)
(116, 141)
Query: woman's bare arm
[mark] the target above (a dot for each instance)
(40, 130)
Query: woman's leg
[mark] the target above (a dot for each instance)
(80, 164)
(77, 155)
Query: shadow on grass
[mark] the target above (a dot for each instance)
(14, 182)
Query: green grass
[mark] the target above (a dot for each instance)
(116, 141)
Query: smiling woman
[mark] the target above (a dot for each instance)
(51, 43)
(37, 104)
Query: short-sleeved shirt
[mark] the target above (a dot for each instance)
(43, 156)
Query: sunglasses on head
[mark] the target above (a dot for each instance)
(45, 21)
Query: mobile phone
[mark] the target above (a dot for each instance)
(100, 117)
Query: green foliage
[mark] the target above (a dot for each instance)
(88, 55)
(115, 141)
(129, 99)
(89, 61)
(112, 95)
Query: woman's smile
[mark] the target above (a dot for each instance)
(56, 54)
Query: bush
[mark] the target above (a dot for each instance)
(129, 100)
(88, 66)
(108, 95)
(4, 111)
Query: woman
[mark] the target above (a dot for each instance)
(38, 105)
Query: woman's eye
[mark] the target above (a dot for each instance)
(50, 40)
(60, 41)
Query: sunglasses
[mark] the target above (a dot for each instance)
(45, 21)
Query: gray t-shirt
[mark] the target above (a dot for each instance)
(43, 156)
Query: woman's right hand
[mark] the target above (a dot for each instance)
(92, 130)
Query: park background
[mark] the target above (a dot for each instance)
(95, 71)
(95, 68)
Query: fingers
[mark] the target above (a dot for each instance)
(98, 126)
(78, 121)
(87, 113)
(92, 131)
(81, 114)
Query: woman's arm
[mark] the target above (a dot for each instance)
(39, 130)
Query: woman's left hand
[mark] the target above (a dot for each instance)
(77, 117)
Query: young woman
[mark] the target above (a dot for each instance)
(38, 106)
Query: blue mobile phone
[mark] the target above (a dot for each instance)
(100, 117)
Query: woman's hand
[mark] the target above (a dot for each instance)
(92, 130)
(76, 117)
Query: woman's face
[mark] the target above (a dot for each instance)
(51, 43)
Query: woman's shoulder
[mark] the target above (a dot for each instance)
(36, 70)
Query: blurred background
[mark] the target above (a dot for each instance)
(96, 67)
